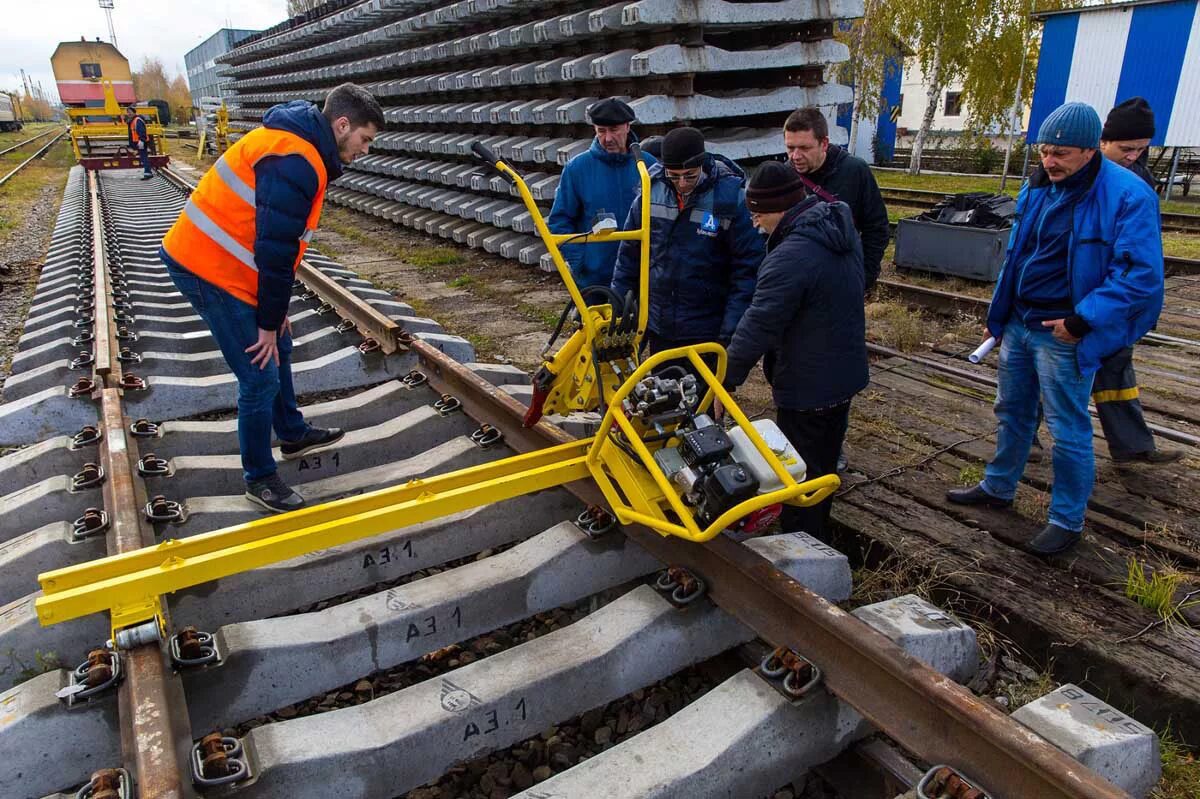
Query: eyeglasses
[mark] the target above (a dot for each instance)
(691, 176)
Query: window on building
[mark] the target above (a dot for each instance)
(953, 104)
(90, 70)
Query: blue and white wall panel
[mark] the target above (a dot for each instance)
(1104, 56)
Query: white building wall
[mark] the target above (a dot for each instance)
(912, 110)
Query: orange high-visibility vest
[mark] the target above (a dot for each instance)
(133, 134)
(214, 236)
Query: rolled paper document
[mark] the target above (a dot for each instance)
(984, 348)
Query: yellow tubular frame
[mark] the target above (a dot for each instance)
(803, 494)
(553, 240)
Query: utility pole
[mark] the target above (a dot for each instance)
(107, 5)
(1014, 118)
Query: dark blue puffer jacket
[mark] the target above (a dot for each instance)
(807, 314)
(594, 181)
(703, 258)
(284, 189)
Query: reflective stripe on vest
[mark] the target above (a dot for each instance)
(214, 236)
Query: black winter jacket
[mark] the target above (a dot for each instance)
(807, 312)
(853, 182)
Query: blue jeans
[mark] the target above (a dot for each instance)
(1034, 364)
(266, 396)
(144, 158)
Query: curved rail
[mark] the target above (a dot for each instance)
(41, 151)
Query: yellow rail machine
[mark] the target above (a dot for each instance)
(100, 137)
(659, 459)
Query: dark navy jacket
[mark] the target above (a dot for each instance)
(1114, 261)
(703, 259)
(807, 314)
(594, 181)
(140, 124)
(284, 189)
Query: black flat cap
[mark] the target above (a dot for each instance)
(610, 111)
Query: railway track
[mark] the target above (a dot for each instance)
(45, 148)
(119, 411)
(921, 198)
(30, 140)
(945, 302)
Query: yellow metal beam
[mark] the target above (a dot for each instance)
(127, 584)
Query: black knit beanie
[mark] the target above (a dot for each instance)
(776, 186)
(1132, 119)
(682, 148)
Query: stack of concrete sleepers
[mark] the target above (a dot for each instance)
(519, 76)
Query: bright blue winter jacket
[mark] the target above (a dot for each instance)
(703, 259)
(1114, 261)
(284, 189)
(594, 181)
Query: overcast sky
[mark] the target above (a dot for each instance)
(163, 28)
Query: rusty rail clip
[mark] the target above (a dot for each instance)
(447, 405)
(369, 345)
(93, 522)
(944, 782)
(131, 382)
(86, 436)
(487, 436)
(127, 355)
(143, 428)
(793, 673)
(83, 387)
(324, 308)
(150, 465)
(82, 359)
(218, 760)
(89, 476)
(161, 509)
(100, 672)
(595, 521)
(680, 586)
(85, 337)
(345, 326)
(414, 379)
(191, 647)
(125, 334)
(108, 783)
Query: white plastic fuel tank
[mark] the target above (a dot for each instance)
(745, 454)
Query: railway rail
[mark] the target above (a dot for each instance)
(112, 396)
(922, 198)
(41, 151)
(30, 140)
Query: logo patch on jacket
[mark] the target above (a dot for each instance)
(709, 225)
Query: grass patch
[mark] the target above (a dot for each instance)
(460, 282)
(42, 663)
(970, 475)
(1032, 504)
(1181, 245)
(431, 256)
(895, 326)
(1155, 590)
(1180, 769)
(948, 184)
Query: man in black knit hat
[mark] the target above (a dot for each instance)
(807, 318)
(1125, 140)
(704, 251)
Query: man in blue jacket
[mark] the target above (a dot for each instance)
(602, 180)
(139, 139)
(233, 253)
(704, 250)
(1082, 280)
(807, 318)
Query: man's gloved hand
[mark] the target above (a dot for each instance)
(141, 145)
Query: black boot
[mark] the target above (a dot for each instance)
(975, 495)
(1052, 540)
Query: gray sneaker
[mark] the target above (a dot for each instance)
(314, 438)
(273, 494)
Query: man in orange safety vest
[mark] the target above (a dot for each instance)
(233, 253)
